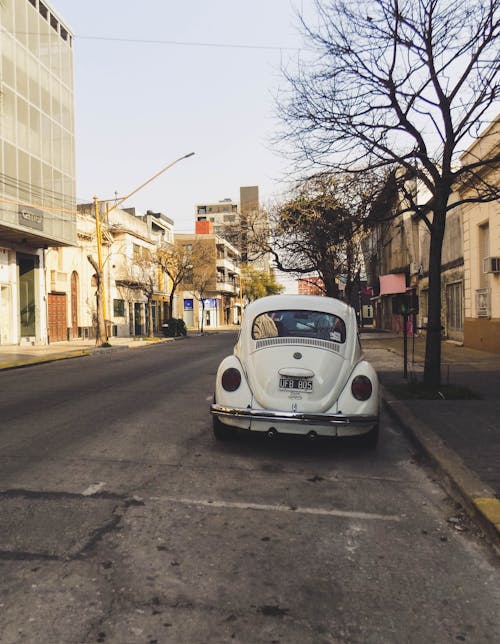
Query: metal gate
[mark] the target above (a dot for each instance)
(57, 317)
(454, 311)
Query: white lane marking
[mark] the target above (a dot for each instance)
(93, 489)
(369, 516)
(209, 398)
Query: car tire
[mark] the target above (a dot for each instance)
(222, 432)
(370, 439)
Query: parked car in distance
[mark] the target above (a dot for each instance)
(297, 368)
(174, 327)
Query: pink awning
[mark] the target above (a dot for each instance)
(392, 283)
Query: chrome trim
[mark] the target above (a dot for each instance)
(329, 345)
(293, 417)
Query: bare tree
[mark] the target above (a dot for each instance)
(317, 230)
(190, 264)
(203, 277)
(407, 84)
(146, 274)
(140, 277)
(177, 263)
(247, 233)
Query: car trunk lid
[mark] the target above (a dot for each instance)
(305, 375)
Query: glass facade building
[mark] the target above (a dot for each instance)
(37, 158)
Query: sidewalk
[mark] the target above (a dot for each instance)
(460, 437)
(15, 356)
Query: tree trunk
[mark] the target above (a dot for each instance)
(432, 368)
(202, 315)
(150, 318)
(171, 304)
(331, 286)
(101, 336)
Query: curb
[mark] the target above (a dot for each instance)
(29, 362)
(78, 353)
(478, 498)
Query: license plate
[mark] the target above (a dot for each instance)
(296, 384)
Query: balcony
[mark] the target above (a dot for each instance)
(224, 286)
(227, 264)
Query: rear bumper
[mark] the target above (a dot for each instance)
(335, 424)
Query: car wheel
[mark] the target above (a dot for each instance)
(369, 440)
(222, 432)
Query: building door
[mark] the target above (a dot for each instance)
(5, 314)
(74, 304)
(28, 265)
(454, 311)
(154, 311)
(137, 318)
(57, 317)
(189, 318)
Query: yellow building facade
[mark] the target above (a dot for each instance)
(481, 244)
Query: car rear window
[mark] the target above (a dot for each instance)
(299, 324)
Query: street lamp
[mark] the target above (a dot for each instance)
(102, 334)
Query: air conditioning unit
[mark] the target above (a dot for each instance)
(491, 265)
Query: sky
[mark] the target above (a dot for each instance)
(142, 101)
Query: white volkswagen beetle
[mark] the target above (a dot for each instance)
(297, 368)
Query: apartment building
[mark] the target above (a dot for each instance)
(136, 290)
(242, 223)
(396, 255)
(37, 166)
(210, 295)
(224, 216)
(481, 240)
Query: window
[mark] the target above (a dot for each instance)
(299, 324)
(43, 10)
(484, 251)
(119, 308)
(53, 22)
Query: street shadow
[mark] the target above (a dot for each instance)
(297, 448)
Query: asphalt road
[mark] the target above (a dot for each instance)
(123, 521)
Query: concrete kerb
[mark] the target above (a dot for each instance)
(477, 498)
(79, 353)
(29, 362)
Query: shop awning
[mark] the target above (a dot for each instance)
(392, 283)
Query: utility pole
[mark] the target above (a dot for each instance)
(98, 230)
(102, 333)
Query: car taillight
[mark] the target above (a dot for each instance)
(231, 379)
(361, 388)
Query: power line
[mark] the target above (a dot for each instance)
(179, 43)
(183, 43)
(16, 183)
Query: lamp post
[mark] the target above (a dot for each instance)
(102, 332)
